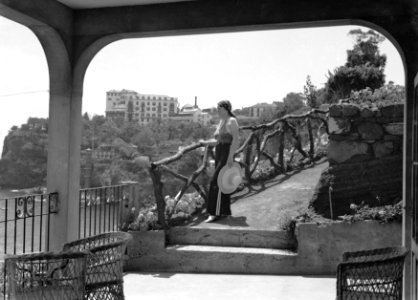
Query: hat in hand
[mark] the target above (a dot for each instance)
(229, 178)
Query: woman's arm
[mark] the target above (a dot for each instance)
(234, 130)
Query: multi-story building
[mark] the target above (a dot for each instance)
(192, 114)
(142, 108)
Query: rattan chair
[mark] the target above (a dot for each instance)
(46, 276)
(104, 278)
(372, 274)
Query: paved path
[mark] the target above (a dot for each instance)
(272, 206)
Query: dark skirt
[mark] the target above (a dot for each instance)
(219, 204)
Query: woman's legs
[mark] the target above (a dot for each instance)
(218, 203)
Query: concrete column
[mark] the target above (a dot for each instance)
(64, 138)
(407, 184)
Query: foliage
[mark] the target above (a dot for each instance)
(387, 94)
(24, 156)
(310, 93)
(292, 102)
(179, 212)
(310, 216)
(364, 67)
(366, 49)
(383, 214)
(23, 162)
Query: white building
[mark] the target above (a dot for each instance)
(143, 108)
(192, 114)
(257, 110)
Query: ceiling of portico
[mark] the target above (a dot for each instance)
(86, 4)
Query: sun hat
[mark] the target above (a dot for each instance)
(229, 178)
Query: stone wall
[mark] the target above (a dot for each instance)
(365, 158)
(321, 246)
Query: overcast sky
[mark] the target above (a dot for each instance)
(246, 68)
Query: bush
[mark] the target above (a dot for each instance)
(383, 214)
(177, 213)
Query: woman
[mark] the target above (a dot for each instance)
(226, 135)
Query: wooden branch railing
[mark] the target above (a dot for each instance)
(253, 148)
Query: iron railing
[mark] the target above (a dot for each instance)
(25, 222)
(101, 209)
(25, 226)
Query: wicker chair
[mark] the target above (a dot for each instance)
(371, 274)
(46, 276)
(104, 278)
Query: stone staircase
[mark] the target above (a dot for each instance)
(249, 242)
(222, 250)
(231, 237)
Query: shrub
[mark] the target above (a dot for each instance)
(383, 214)
(177, 212)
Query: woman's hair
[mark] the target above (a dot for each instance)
(228, 107)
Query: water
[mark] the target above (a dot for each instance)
(11, 193)
(27, 232)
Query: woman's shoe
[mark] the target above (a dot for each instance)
(210, 219)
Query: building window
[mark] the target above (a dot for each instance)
(153, 109)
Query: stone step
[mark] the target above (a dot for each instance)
(231, 237)
(218, 259)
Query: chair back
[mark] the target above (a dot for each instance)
(46, 276)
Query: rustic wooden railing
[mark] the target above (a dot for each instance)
(251, 150)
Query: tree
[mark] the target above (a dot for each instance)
(280, 109)
(366, 49)
(144, 139)
(310, 93)
(293, 102)
(364, 67)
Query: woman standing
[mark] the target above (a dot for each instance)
(226, 135)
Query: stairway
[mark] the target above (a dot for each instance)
(221, 250)
(248, 242)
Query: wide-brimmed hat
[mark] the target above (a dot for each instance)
(229, 178)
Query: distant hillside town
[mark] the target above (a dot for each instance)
(147, 108)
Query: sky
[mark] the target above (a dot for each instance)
(245, 68)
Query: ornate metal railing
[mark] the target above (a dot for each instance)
(252, 149)
(101, 209)
(25, 222)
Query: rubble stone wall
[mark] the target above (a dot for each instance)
(365, 158)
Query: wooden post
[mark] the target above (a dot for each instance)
(248, 154)
(281, 150)
(311, 139)
(155, 174)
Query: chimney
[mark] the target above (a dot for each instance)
(195, 101)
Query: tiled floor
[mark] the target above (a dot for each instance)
(178, 286)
